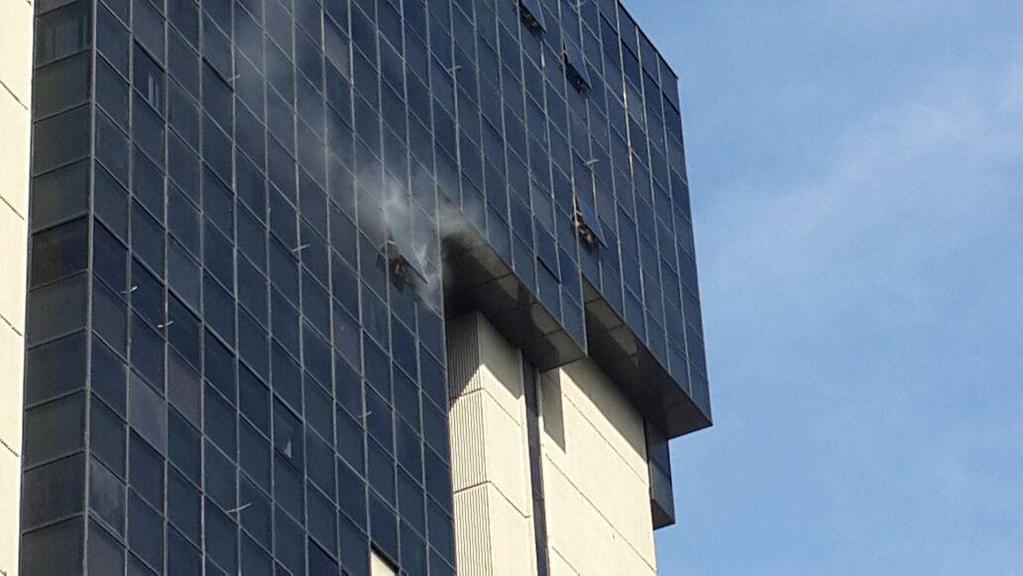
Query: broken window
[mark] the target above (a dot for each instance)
(575, 67)
(532, 14)
(404, 262)
(587, 224)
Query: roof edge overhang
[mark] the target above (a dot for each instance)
(477, 277)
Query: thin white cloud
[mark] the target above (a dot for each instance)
(863, 323)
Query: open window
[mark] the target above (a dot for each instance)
(404, 262)
(532, 14)
(587, 225)
(575, 66)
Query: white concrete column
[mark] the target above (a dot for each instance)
(489, 452)
(15, 117)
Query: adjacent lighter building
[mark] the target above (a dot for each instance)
(15, 101)
(360, 287)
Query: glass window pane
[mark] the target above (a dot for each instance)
(108, 376)
(220, 421)
(254, 455)
(52, 491)
(37, 548)
(112, 148)
(112, 92)
(147, 237)
(288, 435)
(109, 317)
(147, 295)
(148, 79)
(148, 413)
(147, 24)
(145, 471)
(184, 447)
(106, 555)
(182, 558)
(54, 429)
(221, 478)
(221, 537)
(111, 204)
(61, 139)
(106, 496)
(107, 437)
(59, 195)
(145, 531)
(184, 275)
(109, 258)
(54, 369)
(184, 330)
(256, 518)
(147, 352)
(148, 182)
(254, 400)
(62, 32)
(183, 390)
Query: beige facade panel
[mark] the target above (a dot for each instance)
(468, 461)
(479, 358)
(16, 54)
(10, 485)
(12, 360)
(602, 403)
(501, 370)
(14, 162)
(596, 484)
(15, 99)
(489, 452)
(593, 448)
(463, 357)
(492, 537)
(14, 240)
(489, 446)
(601, 475)
(559, 566)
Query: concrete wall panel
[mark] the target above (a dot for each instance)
(15, 101)
(595, 479)
(489, 452)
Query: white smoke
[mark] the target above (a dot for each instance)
(400, 216)
(404, 221)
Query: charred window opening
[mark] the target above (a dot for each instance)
(587, 225)
(403, 263)
(532, 15)
(575, 67)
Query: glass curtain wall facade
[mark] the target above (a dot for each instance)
(240, 213)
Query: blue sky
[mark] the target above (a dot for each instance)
(857, 176)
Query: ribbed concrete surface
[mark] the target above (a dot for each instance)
(489, 452)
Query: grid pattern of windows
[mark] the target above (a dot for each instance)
(222, 375)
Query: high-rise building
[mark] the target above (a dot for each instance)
(340, 287)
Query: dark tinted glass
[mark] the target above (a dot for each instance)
(107, 433)
(54, 429)
(59, 195)
(53, 491)
(55, 368)
(62, 32)
(106, 496)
